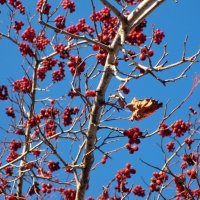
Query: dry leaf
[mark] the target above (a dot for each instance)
(142, 108)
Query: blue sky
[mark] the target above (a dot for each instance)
(177, 20)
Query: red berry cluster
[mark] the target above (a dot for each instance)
(136, 36)
(74, 93)
(48, 64)
(19, 131)
(41, 41)
(67, 119)
(34, 189)
(102, 16)
(67, 4)
(50, 128)
(109, 31)
(90, 93)
(189, 142)
(53, 166)
(180, 127)
(24, 85)
(9, 171)
(4, 184)
(44, 173)
(59, 75)
(101, 56)
(196, 192)
(82, 27)
(192, 173)
(36, 152)
(133, 135)
(17, 5)
(60, 22)
(164, 130)
(145, 52)
(49, 112)
(61, 49)
(76, 65)
(131, 149)
(32, 122)
(104, 159)
(41, 73)
(124, 89)
(190, 159)
(181, 190)
(18, 26)
(12, 156)
(29, 34)
(10, 112)
(72, 29)
(46, 8)
(138, 191)
(15, 145)
(158, 36)
(3, 92)
(70, 194)
(121, 177)
(157, 181)
(109, 27)
(170, 146)
(46, 188)
(25, 49)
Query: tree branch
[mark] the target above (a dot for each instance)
(109, 69)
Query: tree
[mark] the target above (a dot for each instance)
(68, 113)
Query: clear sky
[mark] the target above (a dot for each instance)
(177, 20)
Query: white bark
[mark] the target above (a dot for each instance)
(143, 10)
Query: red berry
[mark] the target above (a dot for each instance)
(150, 53)
(95, 47)
(67, 4)
(135, 148)
(46, 8)
(170, 146)
(142, 56)
(158, 36)
(138, 191)
(60, 22)
(90, 93)
(52, 101)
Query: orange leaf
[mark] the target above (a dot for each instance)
(142, 108)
